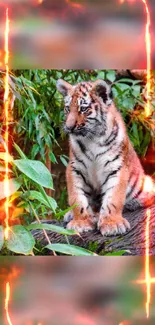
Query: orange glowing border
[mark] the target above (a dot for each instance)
(10, 277)
(148, 280)
(148, 54)
(7, 300)
(6, 135)
(147, 262)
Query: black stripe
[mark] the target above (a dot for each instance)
(130, 177)
(78, 172)
(99, 154)
(82, 146)
(92, 118)
(103, 152)
(109, 161)
(109, 136)
(113, 205)
(106, 191)
(96, 123)
(114, 133)
(114, 172)
(132, 188)
(103, 115)
(86, 193)
(110, 141)
(79, 160)
(109, 209)
(140, 190)
(83, 149)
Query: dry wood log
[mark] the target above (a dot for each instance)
(134, 240)
(132, 74)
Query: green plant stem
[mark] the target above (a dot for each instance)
(44, 231)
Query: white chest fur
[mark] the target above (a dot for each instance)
(94, 158)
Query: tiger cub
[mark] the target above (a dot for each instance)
(104, 173)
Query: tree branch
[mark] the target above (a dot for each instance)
(134, 240)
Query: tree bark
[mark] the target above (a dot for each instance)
(132, 74)
(133, 240)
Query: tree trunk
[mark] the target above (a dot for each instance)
(133, 240)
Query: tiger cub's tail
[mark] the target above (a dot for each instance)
(146, 197)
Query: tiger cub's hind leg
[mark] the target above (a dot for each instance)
(111, 221)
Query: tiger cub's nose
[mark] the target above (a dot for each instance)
(68, 128)
(70, 123)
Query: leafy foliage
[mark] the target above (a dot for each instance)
(39, 108)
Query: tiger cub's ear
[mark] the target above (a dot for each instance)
(63, 87)
(103, 90)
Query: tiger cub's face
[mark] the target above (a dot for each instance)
(86, 107)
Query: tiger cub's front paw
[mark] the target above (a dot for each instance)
(111, 226)
(81, 225)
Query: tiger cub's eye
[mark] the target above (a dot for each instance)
(84, 109)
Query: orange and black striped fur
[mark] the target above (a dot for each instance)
(104, 174)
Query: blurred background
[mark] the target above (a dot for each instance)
(76, 291)
(77, 33)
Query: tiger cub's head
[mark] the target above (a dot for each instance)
(86, 107)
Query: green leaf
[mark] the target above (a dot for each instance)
(63, 160)
(145, 143)
(34, 195)
(70, 250)
(21, 153)
(36, 171)
(126, 80)
(111, 75)
(101, 75)
(135, 132)
(62, 213)
(52, 157)
(119, 253)
(1, 237)
(136, 90)
(13, 185)
(122, 86)
(128, 103)
(45, 196)
(35, 150)
(57, 229)
(20, 240)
